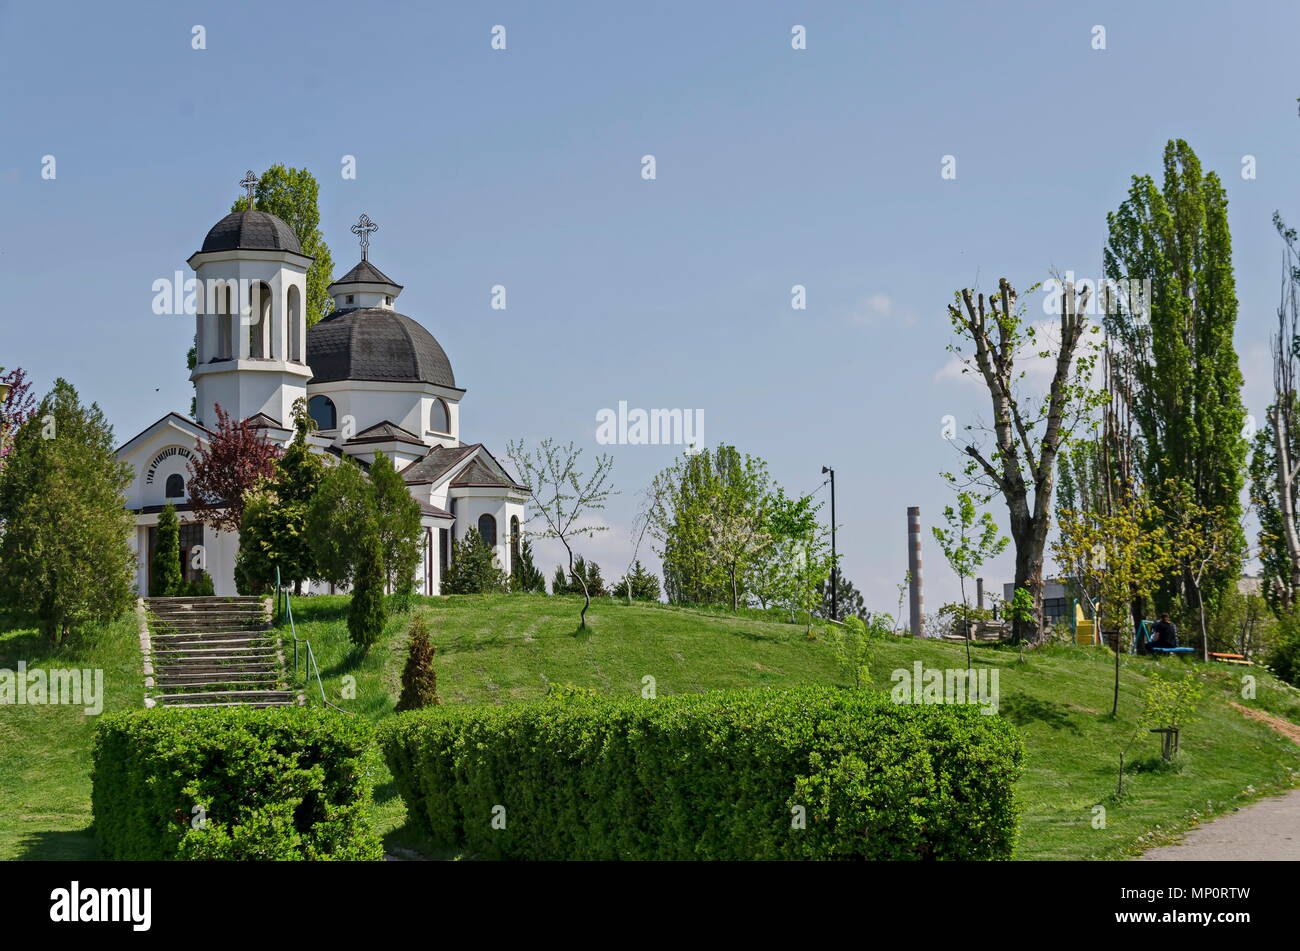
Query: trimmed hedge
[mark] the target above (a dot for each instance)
(710, 776)
(277, 783)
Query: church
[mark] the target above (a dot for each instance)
(375, 381)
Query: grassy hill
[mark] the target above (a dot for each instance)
(502, 649)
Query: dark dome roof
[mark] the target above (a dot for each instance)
(251, 230)
(375, 343)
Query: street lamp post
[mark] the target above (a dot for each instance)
(835, 598)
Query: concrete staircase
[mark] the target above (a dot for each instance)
(212, 652)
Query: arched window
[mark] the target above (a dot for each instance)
(321, 409)
(296, 325)
(487, 529)
(175, 487)
(439, 417)
(259, 326)
(514, 541)
(224, 323)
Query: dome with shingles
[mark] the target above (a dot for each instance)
(251, 231)
(375, 343)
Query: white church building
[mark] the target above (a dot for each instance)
(375, 381)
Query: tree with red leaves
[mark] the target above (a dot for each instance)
(15, 408)
(236, 457)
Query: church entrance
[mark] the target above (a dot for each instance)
(191, 534)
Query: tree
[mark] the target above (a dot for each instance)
(474, 568)
(366, 614)
(1028, 433)
(1204, 544)
(419, 680)
(563, 496)
(235, 458)
(1275, 490)
(273, 534)
(167, 580)
(1116, 556)
(398, 517)
(849, 600)
(1186, 399)
(336, 517)
(525, 578)
(970, 539)
(15, 408)
(685, 502)
(733, 539)
(584, 579)
(792, 570)
(638, 585)
(292, 195)
(64, 558)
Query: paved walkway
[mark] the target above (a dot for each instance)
(1268, 830)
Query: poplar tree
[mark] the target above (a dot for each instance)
(1186, 396)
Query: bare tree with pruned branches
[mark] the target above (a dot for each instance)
(1028, 432)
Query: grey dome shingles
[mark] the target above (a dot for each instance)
(253, 231)
(375, 343)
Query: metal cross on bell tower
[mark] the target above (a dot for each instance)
(364, 228)
(249, 182)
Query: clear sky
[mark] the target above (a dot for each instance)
(523, 167)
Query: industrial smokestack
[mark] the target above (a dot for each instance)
(979, 593)
(914, 566)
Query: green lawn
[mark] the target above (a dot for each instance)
(501, 649)
(45, 750)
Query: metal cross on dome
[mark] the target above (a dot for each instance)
(364, 228)
(250, 180)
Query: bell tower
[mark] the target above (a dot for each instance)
(251, 323)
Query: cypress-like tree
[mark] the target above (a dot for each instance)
(1186, 399)
(398, 519)
(637, 585)
(64, 558)
(166, 579)
(366, 614)
(419, 679)
(525, 578)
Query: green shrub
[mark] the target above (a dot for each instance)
(720, 775)
(237, 783)
(419, 679)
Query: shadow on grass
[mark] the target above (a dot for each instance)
(76, 845)
(1021, 709)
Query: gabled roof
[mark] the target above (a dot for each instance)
(478, 474)
(385, 431)
(175, 419)
(262, 421)
(365, 273)
(436, 463)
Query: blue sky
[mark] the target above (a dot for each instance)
(522, 167)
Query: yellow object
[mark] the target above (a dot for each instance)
(1085, 631)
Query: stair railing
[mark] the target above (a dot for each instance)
(310, 666)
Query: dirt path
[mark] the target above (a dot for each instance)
(1266, 831)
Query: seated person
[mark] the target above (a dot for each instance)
(1165, 634)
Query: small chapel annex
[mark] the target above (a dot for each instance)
(375, 381)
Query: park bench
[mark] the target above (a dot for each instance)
(1231, 658)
